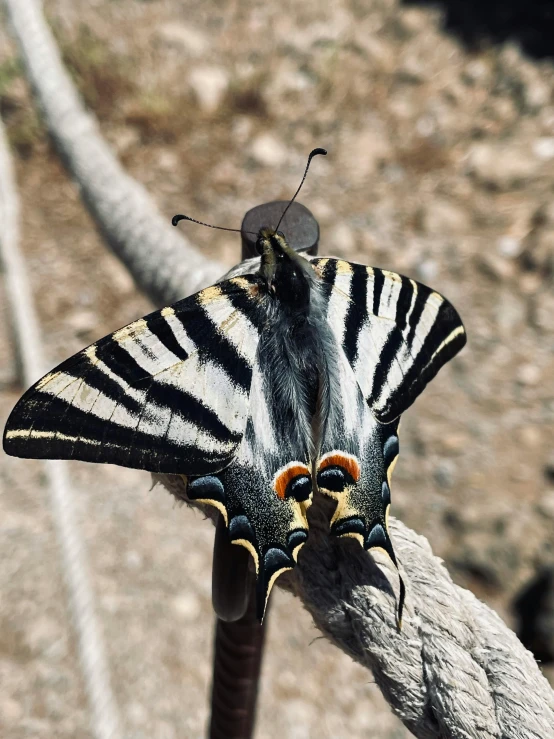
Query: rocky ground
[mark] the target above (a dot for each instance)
(440, 166)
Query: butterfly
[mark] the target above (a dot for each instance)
(257, 391)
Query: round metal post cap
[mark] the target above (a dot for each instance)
(299, 226)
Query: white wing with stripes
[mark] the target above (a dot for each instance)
(168, 393)
(396, 333)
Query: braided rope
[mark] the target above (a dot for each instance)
(455, 670)
(91, 649)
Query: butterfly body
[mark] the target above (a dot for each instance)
(259, 391)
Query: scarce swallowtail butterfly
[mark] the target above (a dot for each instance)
(258, 391)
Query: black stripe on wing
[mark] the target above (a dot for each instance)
(427, 362)
(109, 443)
(404, 302)
(357, 313)
(213, 345)
(423, 293)
(389, 355)
(378, 283)
(161, 329)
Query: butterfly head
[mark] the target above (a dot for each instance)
(287, 274)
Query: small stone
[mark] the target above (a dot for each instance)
(412, 71)
(136, 713)
(184, 37)
(538, 253)
(546, 504)
(543, 148)
(528, 374)
(41, 634)
(381, 52)
(501, 167)
(10, 710)
(445, 473)
(536, 94)
(83, 321)
(542, 311)
(362, 154)
(268, 151)
(427, 270)
(133, 559)
(509, 247)
(122, 282)
(495, 267)
(529, 436)
(530, 283)
(549, 468)
(410, 21)
(476, 71)
(544, 215)
(454, 443)
(124, 138)
(342, 239)
(186, 606)
(441, 217)
(242, 129)
(322, 210)
(426, 126)
(286, 77)
(510, 311)
(168, 160)
(209, 84)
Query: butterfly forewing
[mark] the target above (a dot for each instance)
(395, 332)
(167, 393)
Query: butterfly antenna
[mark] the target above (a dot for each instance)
(313, 153)
(181, 217)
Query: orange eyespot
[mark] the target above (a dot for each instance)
(285, 476)
(347, 462)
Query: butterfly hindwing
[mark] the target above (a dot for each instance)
(357, 457)
(167, 393)
(264, 493)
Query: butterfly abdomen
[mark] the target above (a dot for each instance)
(288, 355)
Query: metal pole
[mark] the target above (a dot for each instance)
(239, 637)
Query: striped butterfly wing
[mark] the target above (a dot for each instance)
(167, 393)
(265, 491)
(393, 335)
(185, 391)
(395, 332)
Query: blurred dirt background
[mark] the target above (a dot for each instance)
(439, 123)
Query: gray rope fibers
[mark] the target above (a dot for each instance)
(105, 722)
(455, 670)
(161, 261)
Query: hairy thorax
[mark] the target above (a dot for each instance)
(295, 355)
